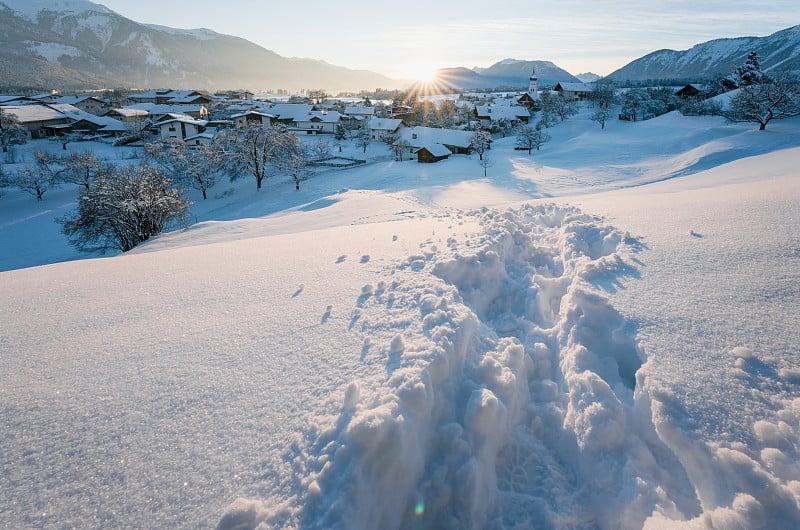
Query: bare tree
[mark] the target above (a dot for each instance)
(124, 208)
(486, 162)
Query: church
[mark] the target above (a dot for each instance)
(531, 98)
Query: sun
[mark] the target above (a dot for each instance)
(422, 72)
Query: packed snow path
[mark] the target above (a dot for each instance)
(510, 394)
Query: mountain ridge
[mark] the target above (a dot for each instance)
(715, 58)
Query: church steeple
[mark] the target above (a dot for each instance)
(533, 88)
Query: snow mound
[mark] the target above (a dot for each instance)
(510, 395)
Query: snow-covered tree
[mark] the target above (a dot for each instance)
(363, 135)
(763, 102)
(556, 105)
(81, 168)
(321, 149)
(39, 177)
(750, 72)
(633, 103)
(11, 132)
(603, 94)
(196, 167)
(480, 141)
(340, 133)
(531, 137)
(255, 150)
(124, 208)
(399, 146)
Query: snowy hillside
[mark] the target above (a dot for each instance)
(600, 335)
(77, 43)
(778, 52)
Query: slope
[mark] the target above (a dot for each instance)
(405, 344)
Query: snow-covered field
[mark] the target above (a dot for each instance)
(601, 335)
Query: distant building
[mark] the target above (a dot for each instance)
(573, 91)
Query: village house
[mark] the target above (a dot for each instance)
(206, 137)
(692, 90)
(180, 126)
(157, 112)
(102, 125)
(382, 128)
(40, 120)
(573, 91)
(290, 113)
(457, 142)
(359, 112)
(89, 104)
(432, 153)
(252, 116)
(318, 122)
(128, 115)
(491, 114)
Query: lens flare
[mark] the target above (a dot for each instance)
(419, 509)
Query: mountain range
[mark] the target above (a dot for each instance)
(78, 44)
(716, 58)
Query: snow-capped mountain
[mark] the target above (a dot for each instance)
(68, 43)
(779, 52)
(514, 72)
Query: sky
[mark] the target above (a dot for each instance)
(415, 37)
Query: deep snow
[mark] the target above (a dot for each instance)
(600, 335)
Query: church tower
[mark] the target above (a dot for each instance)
(533, 88)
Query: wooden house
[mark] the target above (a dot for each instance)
(573, 91)
(691, 90)
(432, 153)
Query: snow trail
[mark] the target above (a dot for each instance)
(511, 395)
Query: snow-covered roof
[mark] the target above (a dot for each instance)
(325, 117)
(574, 87)
(385, 124)
(437, 150)
(252, 113)
(154, 108)
(208, 134)
(358, 110)
(291, 111)
(6, 99)
(129, 112)
(500, 112)
(34, 113)
(182, 118)
(425, 136)
(72, 100)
